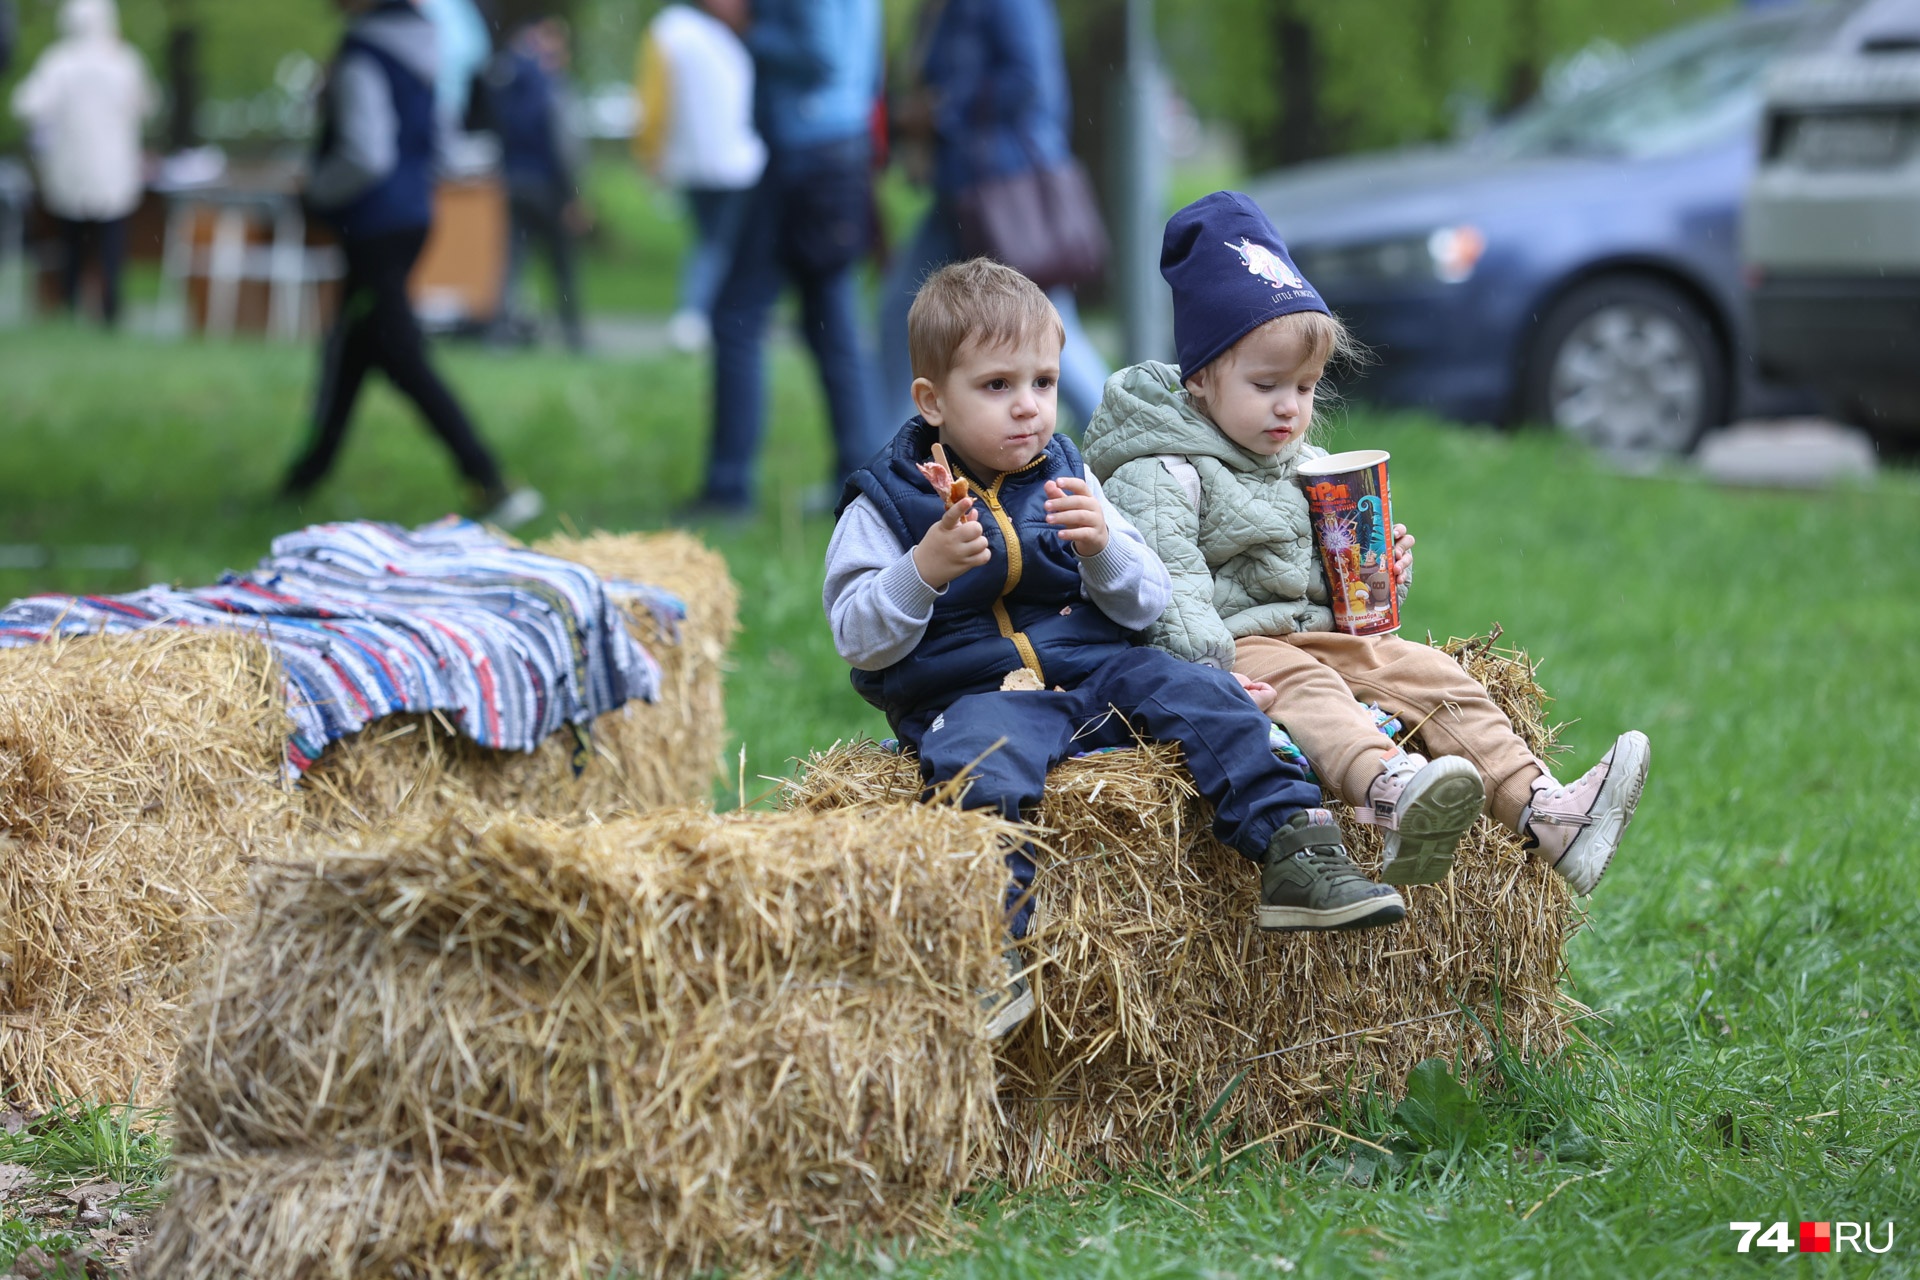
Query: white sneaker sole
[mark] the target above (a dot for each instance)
(1368, 913)
(1436, 810)
(1591, 851)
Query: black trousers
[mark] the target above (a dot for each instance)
(108, 240)
(1012, 740)
(376, 329)
(539, 219)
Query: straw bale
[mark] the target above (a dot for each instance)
(680, 1040)
(1158, 996)
(139, 775)
(135, 776)
(646, 755)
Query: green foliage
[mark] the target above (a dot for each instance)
(1387, 67)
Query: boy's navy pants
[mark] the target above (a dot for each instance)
(1145, 693)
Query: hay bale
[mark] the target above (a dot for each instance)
(678, 1040)
(140, 774)
(136, 776)
(1156, 991)
(646, 755)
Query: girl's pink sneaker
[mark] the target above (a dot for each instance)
(1575, 829)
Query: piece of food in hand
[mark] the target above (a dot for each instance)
(951, 488)
(1022, 679)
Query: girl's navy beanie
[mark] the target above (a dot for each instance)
(1230, 274)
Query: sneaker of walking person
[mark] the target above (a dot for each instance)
(1576, 828)
(508, 509)
(1009, 1006)
(1424, 807)
(1307, 882)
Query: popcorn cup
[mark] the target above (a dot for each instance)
(1353, 528)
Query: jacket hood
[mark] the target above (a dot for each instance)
(1145, 411)
(405, 34)
(89, 20)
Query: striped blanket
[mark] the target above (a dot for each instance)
(371, 620)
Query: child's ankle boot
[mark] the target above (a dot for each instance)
(1424, 807)
(1576, 828)
(1308, 882)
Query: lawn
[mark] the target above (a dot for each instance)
(1753, 958)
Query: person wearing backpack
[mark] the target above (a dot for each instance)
(372, 179)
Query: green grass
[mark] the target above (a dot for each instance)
(1753, 958)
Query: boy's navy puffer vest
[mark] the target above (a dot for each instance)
(1020, 609)
(403, 199)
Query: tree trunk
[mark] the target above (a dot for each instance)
(183, 84)
(1523, 67)
(1302, 132)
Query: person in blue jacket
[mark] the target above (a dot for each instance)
(992, 95)
(816, 78)
(372, 178)
(525, 102)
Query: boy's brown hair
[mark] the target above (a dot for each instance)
(981, 301)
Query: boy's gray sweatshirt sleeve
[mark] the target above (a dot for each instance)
(876, 601)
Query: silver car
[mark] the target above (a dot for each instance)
(1832, 231)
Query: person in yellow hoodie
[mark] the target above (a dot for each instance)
(694, 84)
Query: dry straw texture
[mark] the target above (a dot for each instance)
(139, 776)
(646, 755)
(1157, 992)
(677, 1041)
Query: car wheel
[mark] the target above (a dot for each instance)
(1629, 365)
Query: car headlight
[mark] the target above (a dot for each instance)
(1446, 254)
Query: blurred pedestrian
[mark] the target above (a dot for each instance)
(465, 44)
(372, 178)
(527, 107)
(695, 89)
(991, 100)
(816, 76)
(84, 101)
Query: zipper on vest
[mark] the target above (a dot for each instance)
(991, 494)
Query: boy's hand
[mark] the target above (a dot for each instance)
(1260, 691)
(1402, 554)
(1072, 506)
(952, 547)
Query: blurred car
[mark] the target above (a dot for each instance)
(1577, 265)
(1833, 220)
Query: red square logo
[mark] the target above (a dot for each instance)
(1816, 1237)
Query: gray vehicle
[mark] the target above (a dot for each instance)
(1832, 230)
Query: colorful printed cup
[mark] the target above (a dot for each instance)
(1353, 527)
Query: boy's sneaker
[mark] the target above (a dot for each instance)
(1575, 829)
(1424, 807)
(1007, 1007)
(1308, 882)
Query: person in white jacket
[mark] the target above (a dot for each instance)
(84, 101)
(695, 86)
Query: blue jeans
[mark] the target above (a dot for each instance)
(1083, 372)
(1012, 740)
(828, 319)
(717, 215)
